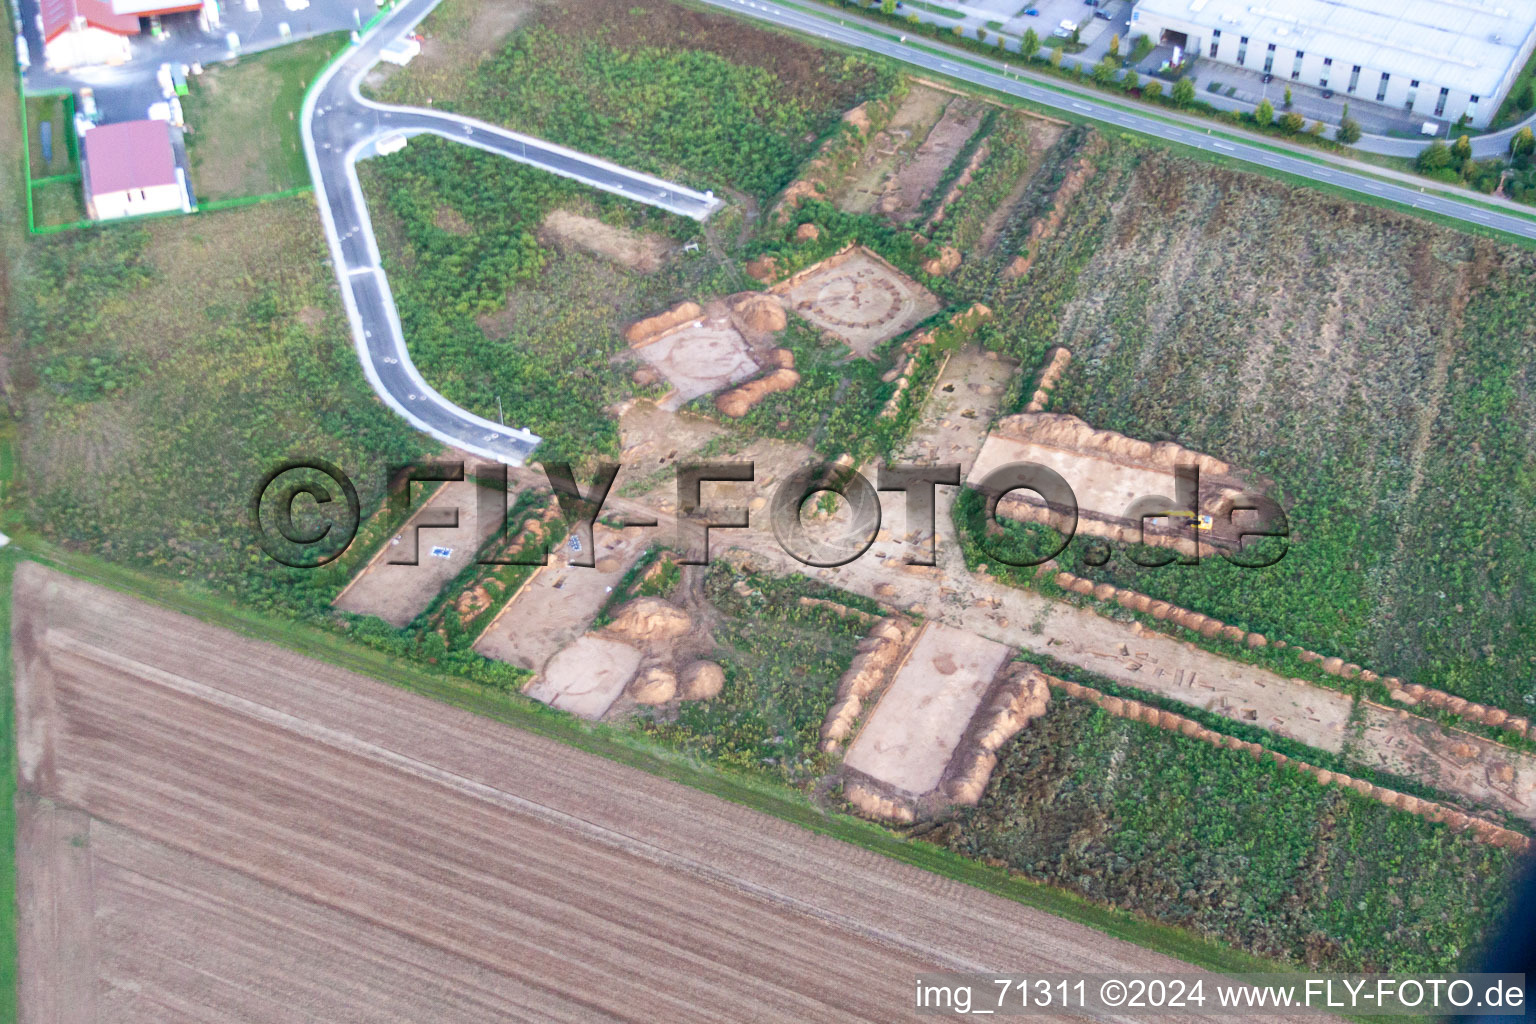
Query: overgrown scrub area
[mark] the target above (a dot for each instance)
(1246, 851)
(1377, 371)
(664, 88)
(782, 662)
(492, 314)
(159, 371)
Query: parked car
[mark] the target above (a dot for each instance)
(1101, 13)
(1033, 12)
(1268, 78)
(1327, 94)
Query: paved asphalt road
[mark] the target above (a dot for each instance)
(878, 42)
(339, 128)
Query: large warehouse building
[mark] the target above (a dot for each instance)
(1437, 58)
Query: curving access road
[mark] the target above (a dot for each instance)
(340, 127)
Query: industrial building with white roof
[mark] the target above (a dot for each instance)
(1437, 58)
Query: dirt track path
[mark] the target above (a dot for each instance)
(276, 839)
(952, 429)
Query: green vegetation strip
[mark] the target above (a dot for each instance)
(8, 908)
(1105, 98)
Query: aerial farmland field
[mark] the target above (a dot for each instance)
(617, 246)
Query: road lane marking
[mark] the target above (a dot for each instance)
(1223, 145)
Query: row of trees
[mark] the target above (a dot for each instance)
(1454, 164)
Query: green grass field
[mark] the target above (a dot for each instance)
(160, 369)
(664, 88)
(54, 111)
(1251, 852)
(58, 202)
(1376, 369)
(243, 116)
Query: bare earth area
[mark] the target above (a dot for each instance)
(273, 839)
(860, 298)
(560, 601)
(698, 359)
(644, 253)
(587, 676)
(401, 581)
(1100, 485)
(906, 191)
(914, 730)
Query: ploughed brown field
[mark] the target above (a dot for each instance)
(213, 828)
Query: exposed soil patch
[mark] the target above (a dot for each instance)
(914, 729)
(587, 676)
(699, 358)
(885, 150)
(903, 195)
(860, 298)
(560, 601)
(645, 253)
(397, 591)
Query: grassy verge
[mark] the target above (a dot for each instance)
(56, 110)
(1513, 110)
(57, 202)
(8, 964)
(948, 12)
(244, 120)
(1034, 75)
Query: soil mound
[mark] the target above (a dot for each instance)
(701, 680)
(759, 312)
(649, 618)
(648, 329)
(737, 402)
(655, 685)
(946, 263)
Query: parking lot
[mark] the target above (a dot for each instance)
(124, 92)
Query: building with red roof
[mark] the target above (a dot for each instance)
(130, 169)
(81, 32)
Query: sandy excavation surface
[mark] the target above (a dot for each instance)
(860, 298)
(586, 676)
(397, 593)
(914, 729)
(1101, 485)
(699, 358)
(560, 601)
(637, 251)
(1124, 652)
(274, 839)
